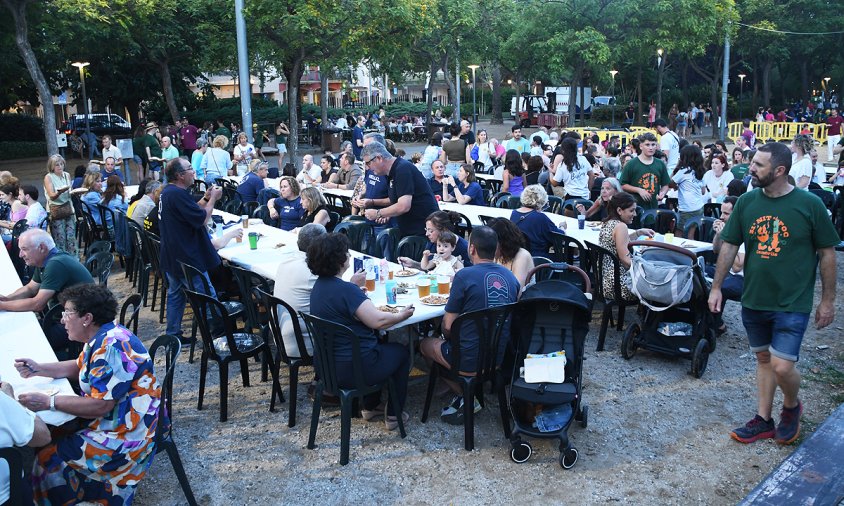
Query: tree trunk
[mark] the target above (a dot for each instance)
(755, 99)
(684, 83)
(293, 74)
(497, 118)
(804, 80)
(766, 83)
(45, 96)
(167, 86)
(323, 90)
(517, 120)
(582, 101)
(430, 95)
(452, 87)
(638, 92)
(659, 74)
(134, 109)
(577, 76)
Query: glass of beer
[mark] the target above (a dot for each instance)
(424, 286)
(245, 221)
(370, 281)
(445, 284)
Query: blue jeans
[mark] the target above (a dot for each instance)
(176, 300)
(781, 333)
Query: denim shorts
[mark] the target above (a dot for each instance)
(780, 333)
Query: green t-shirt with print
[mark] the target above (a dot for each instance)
(781, 237)
(651, 177)
(740, 170)
(151, 142)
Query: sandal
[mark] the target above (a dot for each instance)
(372, 414)
(393, 423)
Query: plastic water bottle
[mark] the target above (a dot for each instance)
(390, 288)
(382, 271)
(435, 288)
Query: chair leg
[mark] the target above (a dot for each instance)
(276, 386)
(391, 390)
(163, 302)
(203, 369)
(620, 317)
(432, 381)
(224, 391)
(154, 290)
(315, 416)
(468, 414)
(605, 320)
(502, 407)
(176, 462)
(193, 340)
(244, 371)
(294, 384)
(345, 426)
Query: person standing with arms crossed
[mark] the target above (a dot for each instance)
(782, 230)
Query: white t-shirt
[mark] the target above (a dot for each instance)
(112, 152)
(484, 151)
(248, 151)
(17, 425)
(801, 169)
(670, 145)
(35, 214)
(689, 190)
(313, 172)
(717, 186)
(576, 181)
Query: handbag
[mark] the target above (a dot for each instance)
(661, 284)
(61, 211)
(474, 153)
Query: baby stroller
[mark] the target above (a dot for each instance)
(674, 294)
(551, 315)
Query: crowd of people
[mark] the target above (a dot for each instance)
(488, 268)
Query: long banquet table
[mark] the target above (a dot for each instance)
(22, 337)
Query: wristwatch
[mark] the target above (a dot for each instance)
(53, 401)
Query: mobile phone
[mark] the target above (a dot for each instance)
(358, 264)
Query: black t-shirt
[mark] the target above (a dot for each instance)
(469, 137)
(405, 179)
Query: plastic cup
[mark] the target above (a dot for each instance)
(370, 281)
(424, 287)
(669, 237)
(253, 240)
(245, 221)
(581, 221)
(444, 283)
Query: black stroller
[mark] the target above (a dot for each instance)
(551, 315)
(679, 328)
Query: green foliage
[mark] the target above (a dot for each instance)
(14, 150)
(21, 127)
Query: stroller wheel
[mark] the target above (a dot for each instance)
(584, 416)
(520, 452)
(568, 458)
(628, 342)
(700, 358)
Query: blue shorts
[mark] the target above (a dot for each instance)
(778, 332)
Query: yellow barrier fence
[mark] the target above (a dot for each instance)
(778, 131)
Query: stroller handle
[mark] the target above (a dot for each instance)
(559, 265)
(657, 244)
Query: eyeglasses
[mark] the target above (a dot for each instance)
(187, 170)
(65, 314)
(367, 162)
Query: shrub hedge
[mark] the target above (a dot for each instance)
(21, 127)
(12, 150)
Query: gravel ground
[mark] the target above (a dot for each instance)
(655, 435)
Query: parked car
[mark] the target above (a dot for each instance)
(101, 124)
(603, 101)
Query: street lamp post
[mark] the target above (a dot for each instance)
(474, 98)
(660, 62)
(740, 97)
(612, 96)
(81, 66)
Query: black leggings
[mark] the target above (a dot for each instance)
(389, 360)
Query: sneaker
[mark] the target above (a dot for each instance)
(453, 413)
(754, 430)
(789, 427)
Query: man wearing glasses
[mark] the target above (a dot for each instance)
(55, 270)
(184, 237)
(409, 193)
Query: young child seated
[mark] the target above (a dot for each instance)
(443, 263)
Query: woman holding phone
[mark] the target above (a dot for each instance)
(62, 219)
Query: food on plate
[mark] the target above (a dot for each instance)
(434, 300)
(407, 272)
(389, 309)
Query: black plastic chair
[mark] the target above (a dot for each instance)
(489, 324)
(247, 281)
(132, 307)
(99, 265)
(386, 243)
(107, 218)
(485, 219)
(700, 229)
(599, 258)
(463, 227)
(263, 213)
(154, 249)
(555, 204)
(333, 220)
(281, 355)
(712, 209)
(501, 200)
(571, 251)
(267, 194)
(324, 333)
(249, 207)
(411, 246)
(828, 198)
(142, 264)
(570, 204)
(235, 309)
(14, 460)
(96, 247)
(595, 191)
(514, 202)
(164, 430)
(232, 346)
(360, 234)
(666, 221)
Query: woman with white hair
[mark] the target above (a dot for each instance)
(609, 187)
(62, 219)
(216, 162)
(530, 219)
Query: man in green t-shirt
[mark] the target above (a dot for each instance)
(783, 232)
(645, 177)
(153, 150)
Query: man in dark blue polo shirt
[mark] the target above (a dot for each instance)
(184, 237)
(409, 193)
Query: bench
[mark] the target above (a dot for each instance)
(813, 474)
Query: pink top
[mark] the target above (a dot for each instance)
(18, 216)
